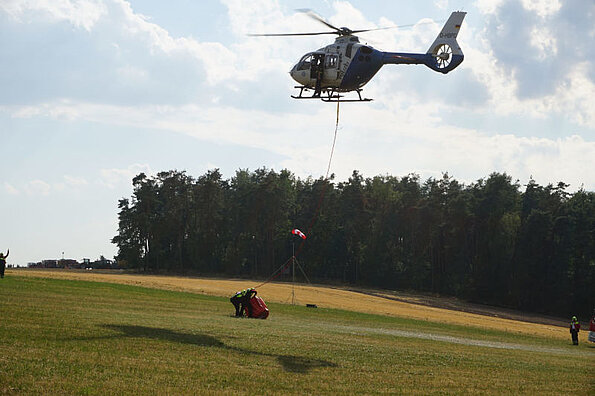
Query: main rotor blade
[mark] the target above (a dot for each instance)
(371, 30)
(317, 17)
(291, 34)
(396, 26)
(338, 31)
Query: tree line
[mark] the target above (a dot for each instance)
(493, 241)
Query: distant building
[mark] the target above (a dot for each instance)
(49, 263)
(69, 263)
(101, 263)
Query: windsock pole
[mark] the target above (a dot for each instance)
(293, 273)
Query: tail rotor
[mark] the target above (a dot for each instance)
(443, 54)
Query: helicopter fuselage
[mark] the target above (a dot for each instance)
(347, 65)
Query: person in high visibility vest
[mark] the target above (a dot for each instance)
(241, 301)
(575, 327)
(3, 263)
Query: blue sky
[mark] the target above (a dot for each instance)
(92, 92)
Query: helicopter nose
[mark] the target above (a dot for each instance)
(293, 72)
(296, 76)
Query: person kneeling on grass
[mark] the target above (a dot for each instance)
(241, 301)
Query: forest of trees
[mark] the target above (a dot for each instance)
(494, 241)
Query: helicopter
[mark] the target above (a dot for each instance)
(347, 65)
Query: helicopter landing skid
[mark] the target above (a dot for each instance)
(328, 95)
(335, 97)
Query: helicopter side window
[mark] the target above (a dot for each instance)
(331, 61)
(305, 62)
(348, 50)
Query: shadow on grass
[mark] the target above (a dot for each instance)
(164, 334)
(298, 364)
(294, 364)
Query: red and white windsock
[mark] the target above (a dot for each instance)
(297, 232)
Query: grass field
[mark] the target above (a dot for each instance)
(323, 296)
(78, 337)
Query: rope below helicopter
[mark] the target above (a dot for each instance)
(334, 140)
(279, 270)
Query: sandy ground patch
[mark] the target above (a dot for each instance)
(306, 294)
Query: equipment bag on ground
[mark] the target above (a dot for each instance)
(259, 308)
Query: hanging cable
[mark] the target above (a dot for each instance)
(281, 269)
(325, 185)
(334, 140)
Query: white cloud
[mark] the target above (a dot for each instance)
(219, 61)
(43, 188)
(543, 8)
(256, 16)
(10, 189)
(523, 60)
(570, 160)
(430, 148)
(347, 14)
(488, 6)
(538, 43)
(60, 110)
(407, 117)
(123, 56)
(385, 138)
(572, 98)
(131, 74)
(37, 188)
(81, 13)
(75, 181)
(544, 40)
(576, 95)
(116, 176)
(442, 4)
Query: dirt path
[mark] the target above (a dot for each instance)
(322, 296)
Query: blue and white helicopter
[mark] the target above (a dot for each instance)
(347, 65)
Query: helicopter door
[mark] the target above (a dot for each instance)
(331, 67)
(317, 66)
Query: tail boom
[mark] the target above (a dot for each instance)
(444, 54)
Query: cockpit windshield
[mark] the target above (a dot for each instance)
(304, 63)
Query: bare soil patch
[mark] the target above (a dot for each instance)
(392, 304)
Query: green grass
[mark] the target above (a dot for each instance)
(75, 337)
